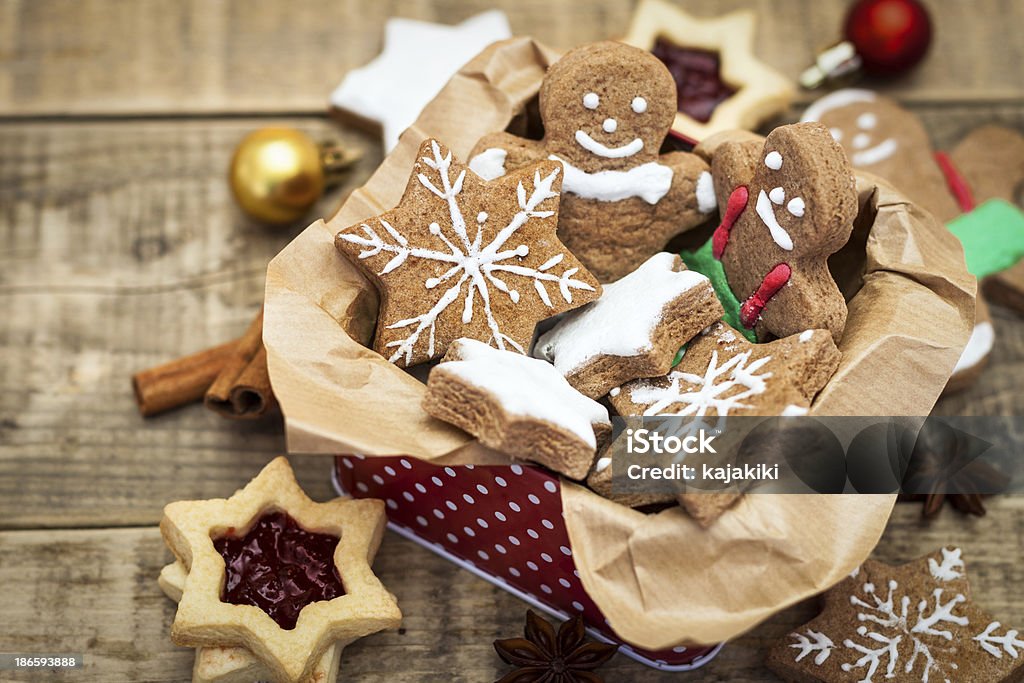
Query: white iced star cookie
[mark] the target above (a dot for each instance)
(518, 405)
(634, 330)
(714, 54)
(418, 59)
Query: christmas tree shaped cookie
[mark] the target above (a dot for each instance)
(914, 623)
(460, 257)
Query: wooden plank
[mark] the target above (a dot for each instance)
(110, 57)
(122, 248)
(95, 592)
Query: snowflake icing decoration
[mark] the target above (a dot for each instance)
(709, 390)
(470, 262)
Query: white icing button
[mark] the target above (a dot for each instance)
(777, 195)
(837, 134)
(481, 217)
(861, 140)
(796, 207)
(591, 100)
(610, 125)
(773, 161)
(639, 105)
(867, 120)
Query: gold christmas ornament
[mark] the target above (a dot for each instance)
(277, 174)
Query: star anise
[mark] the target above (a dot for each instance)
(944, 467)
(544, 657)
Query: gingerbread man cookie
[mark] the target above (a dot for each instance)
(778, 231)
(883, 138)
(607, 108)
(460, 257)
(913, 623)
(634, 329)
(518, 405)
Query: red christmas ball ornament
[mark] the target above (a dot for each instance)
(890, 36)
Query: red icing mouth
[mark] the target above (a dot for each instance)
(279, 567)
(697, 73)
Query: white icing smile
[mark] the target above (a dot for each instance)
(594, 147)
(873, 155)
(767, 215)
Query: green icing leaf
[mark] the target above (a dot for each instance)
(992, 235)
(704, 262)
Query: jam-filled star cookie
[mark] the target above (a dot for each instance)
(778, 231)
(518, 405)
(634, 329)
(275, 573)
(460, 257)
(229, 664)
(913, 623)
(721, 84)
(607, 108)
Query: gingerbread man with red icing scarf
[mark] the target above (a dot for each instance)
(778, 228)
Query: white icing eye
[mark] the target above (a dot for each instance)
(796, 207)
(639, 105)
(610, 125)
(591, 100)
(861, 140)
(777, 195)
(773, 161)
(867, 120)
(837, 134)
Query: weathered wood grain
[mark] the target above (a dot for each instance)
(108, 56)
(120, 247)
(95, 592)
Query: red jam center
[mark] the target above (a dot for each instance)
(699, 84)
(279, 567)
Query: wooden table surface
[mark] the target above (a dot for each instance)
(121, 248)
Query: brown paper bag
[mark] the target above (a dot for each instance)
(660, 579)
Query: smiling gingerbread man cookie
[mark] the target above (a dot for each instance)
(778, 231)
(883, 138)
(607, 108)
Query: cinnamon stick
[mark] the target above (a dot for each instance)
(180, 381)
(242, 389)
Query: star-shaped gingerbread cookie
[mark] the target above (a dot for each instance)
(722, 374)
(634, 329)
(418, 59)
(914, 623)
(273, 572)
(461, 257)
(224, 664)
(518, 405)
(722, 85)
